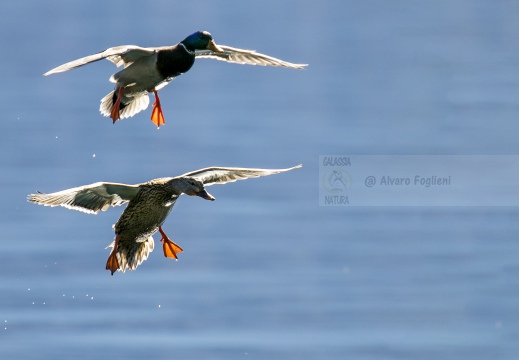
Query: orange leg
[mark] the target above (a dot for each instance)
(112, 264)
(157, 117)
(114, 114)
(170, 248)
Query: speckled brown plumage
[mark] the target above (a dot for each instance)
(149, 204)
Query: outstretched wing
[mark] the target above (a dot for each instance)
(249, 57)
(89, 198)
(221, 175)
(119, 55)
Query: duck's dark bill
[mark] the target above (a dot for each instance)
(205, 195)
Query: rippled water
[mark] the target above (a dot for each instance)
(266, 272)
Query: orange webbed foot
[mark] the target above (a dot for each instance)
(169, 247)
(114, 114)
(112, 264)
(157, 116)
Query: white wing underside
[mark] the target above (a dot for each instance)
(125, 55)
(220, 175)
(247, 57)
(89, 198)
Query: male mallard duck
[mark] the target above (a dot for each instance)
(150, 69)
(149, 205)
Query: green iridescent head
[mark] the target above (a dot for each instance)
(199, 41)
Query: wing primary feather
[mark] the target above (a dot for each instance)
(119, 55)
(90, 198)
(247, 57)
(220, 175)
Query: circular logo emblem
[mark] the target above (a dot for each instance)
(336, 181)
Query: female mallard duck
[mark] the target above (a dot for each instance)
(150, 69)
(149, 205)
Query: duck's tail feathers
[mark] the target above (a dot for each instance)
(129, 105)
(131, 254)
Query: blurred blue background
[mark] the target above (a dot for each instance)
(266, 272)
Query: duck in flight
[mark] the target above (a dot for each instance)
(149, 204)
(149, 69)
